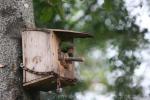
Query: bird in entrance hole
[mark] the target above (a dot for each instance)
(67, 47)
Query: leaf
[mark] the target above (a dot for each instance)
(108, 5)
(59, 8)
(46, 14)
(61, 13)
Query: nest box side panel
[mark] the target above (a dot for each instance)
(67, 72)
(54, 47)
(36, 53)
(59, 69)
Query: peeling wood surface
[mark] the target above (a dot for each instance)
(35, 52)
(40, 53)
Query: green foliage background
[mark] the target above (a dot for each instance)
(108, 23)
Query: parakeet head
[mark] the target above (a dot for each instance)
(66, 46)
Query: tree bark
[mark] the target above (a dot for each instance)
(15, 15)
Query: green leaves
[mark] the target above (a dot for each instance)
(108, 5)
(58, 7)
(47, 11)
(109, 22)
(48, 16)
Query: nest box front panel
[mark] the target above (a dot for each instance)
(39, 53)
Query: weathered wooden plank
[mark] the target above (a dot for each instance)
(48, 83)
(36, 53)
(54, 46)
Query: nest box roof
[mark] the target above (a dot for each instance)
(64, 34)
(70, 34)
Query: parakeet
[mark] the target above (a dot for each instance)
(67, 47)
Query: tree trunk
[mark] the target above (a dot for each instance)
(15, 15)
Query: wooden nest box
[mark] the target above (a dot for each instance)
(48, 61)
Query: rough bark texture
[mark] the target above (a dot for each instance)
(14, 16)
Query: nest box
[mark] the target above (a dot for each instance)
(45, 59)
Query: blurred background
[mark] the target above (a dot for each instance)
(117, 58)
